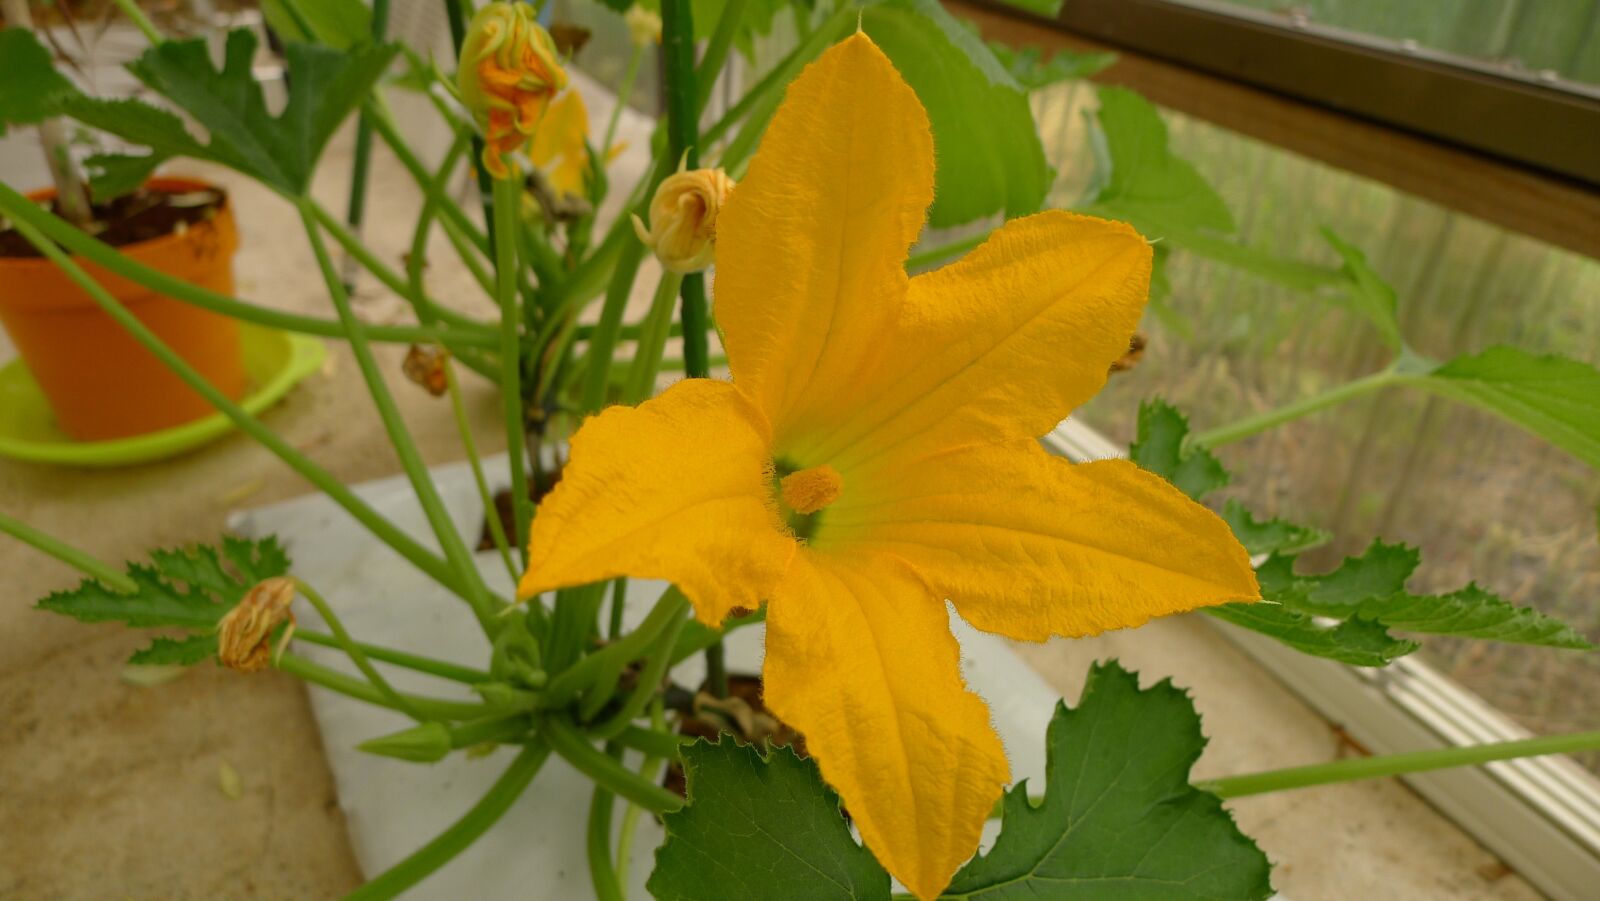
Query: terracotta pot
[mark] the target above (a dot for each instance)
(100, 382)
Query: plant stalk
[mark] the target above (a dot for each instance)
(506, 197)
(356, 655)
(463, 832)
(1253, 425)
(71, 195)
(463, 674)
(1397, 764)
(66, 553)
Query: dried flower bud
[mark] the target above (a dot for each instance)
(425, 366)
(644, 26)
(243, 633)
(683, 219)
(509, 71)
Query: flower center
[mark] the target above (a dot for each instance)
(809, 490)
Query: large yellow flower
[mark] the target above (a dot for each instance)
(876, 454)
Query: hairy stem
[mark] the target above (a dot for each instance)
(66, 553)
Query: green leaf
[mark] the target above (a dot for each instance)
(1119, 819)
(990, 157)
(338, 23)
(1356, 642)
(115, 174)
(1270, 536)
(325, 85)
(192, 588)
(1371, 588)
(1031, 70)
(1554, 397)
(1370, 296)
(176, 651)
(1160, 449)
(1148, 184)
(760, 827)
(30, 87)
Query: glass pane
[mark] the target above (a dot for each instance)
(1483, 500)
(1557, 36)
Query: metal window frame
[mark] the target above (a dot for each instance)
(1541, 815)
(1528, 118)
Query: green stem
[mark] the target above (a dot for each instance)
(490, 514)
(571, 744)
(686, 97)
(19, 208)
(355, 211)
(1397, 764)
(603, 340)
(427, 494)
(649, 684)
(653, 742)
(428, 309)
(356, 655)
(566, 685)
(350, 686)
(641, 379)
(506, 197)
(462, 832)
(630, 816)
(1252, 425)
(386, 531)
(66, 553)
(390, 133)
(624, 93)
(597, 844)
(140, 21)
(716, 52)
(432, 667)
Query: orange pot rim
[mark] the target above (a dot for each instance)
(35, 271)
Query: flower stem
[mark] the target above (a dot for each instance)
(386, 531)
(444, 529)
(649, 684)
(571, 744)
(432, 667)
(463, 832)
(716, 52)
(624, 93)
(66, 553)
(1252, 425)
(603, 340)
(641, 379)
(140, 21)
(490, 514)
(1397, 764)
(630, 816)
(604, 665)
(357, 208)
(356, 655)
(350, 686)
(17, 207)
(506, 197)
(597, 844)
(684, 101)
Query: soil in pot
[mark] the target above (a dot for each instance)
(100, 382)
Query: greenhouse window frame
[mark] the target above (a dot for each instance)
(1540, 815)
(1529, 118)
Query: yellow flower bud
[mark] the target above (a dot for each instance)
(644, 26)
(509, 71)
(243, 631)
(683, 219)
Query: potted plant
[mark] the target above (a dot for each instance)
(99, 381)
(872, 456)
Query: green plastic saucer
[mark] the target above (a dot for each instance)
(273, 360)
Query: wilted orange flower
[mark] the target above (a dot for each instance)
(877, 454)
(244, 631)
(509, 71)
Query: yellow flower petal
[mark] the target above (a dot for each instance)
(860, 659)
(1006, 342)
(678, 488)
(810, 247)
(1029, 545)
(558, 146)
